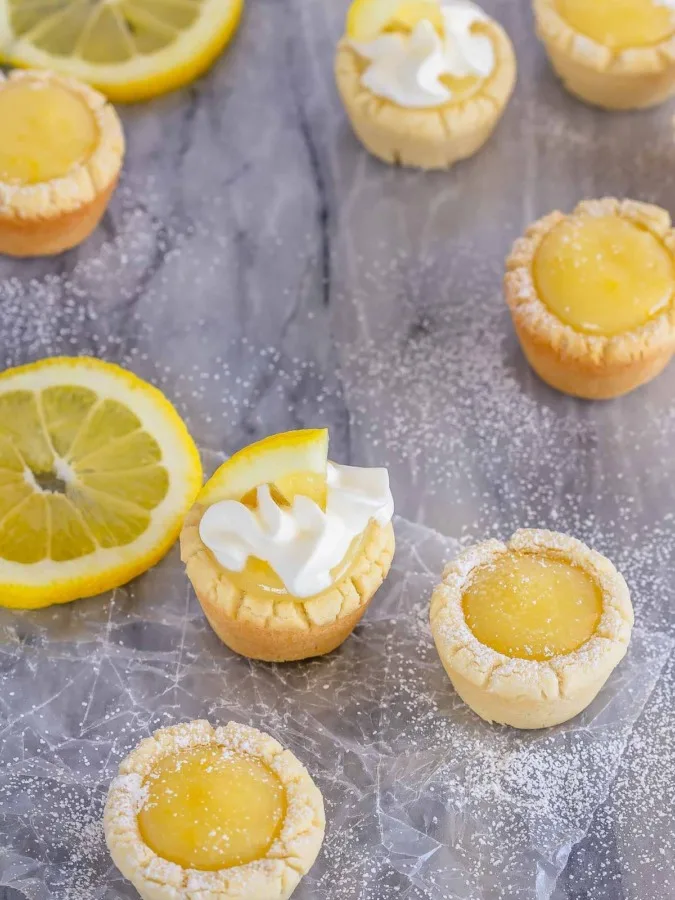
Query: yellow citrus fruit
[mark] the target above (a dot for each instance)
(292, 463)
(97, 471)
(367, 19)
(129, 49)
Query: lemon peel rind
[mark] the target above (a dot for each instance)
(310, 444)
(137, 79)
(45, 583)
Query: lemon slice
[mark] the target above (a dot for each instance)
(367, 19)
(409, 13)
(129, 49)
(292, 463)
(97, 471)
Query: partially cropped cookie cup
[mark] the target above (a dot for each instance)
(50, 216)
(274, 876)
(595, 367)
(430, 138)
(285, 629)
(630, 78)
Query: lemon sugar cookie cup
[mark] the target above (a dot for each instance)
(288, 628)
(428, 138)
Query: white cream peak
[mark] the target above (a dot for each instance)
(301, 543)
(407, 69)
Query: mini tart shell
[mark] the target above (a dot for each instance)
(520, 692)
(287, 629)
(432, 138)
(274, 877)
(52, 216)
(633, 78)
(591, 366)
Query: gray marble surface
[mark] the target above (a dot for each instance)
(267, 274)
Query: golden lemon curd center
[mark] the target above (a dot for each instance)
(45, 132)
(209, 808)
(619, 24)
(532, 606)
(258, 578)
(603, 275)
(462, 87)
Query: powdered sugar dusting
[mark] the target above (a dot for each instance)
(266, 275)
(477, 447)
(415, 785)
(531, 789)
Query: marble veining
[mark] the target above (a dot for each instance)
(258, 266)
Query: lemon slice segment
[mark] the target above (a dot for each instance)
(129, 49)
(292, 463)
(367, 19)
(410, 12)
(97, 471)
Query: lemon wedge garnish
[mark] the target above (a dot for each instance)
(367, 19)
(97, 471)
(129, 49)
(292, 463)
(409, 13)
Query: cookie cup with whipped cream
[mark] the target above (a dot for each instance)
(285, 549)
(424, 82)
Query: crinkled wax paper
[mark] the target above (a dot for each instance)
(423, 799)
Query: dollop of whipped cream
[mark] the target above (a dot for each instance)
(301, 543)
(408, 68)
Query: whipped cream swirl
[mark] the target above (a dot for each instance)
(301, 543)
(407, 69)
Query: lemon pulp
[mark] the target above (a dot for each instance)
(77, 472)
(46, 131)
(292, 463)
(97, 471)
(100, 31)
(410, 12)
(532, 606)
(620, 24)
(129, 49)
(603, 275)
(208, 808)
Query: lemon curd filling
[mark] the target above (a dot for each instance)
(603, 275)
(532, 606)
(259, 579)
(410, 12)
(619, 24)
(462, 88)
(209, 808)
(45, 131)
